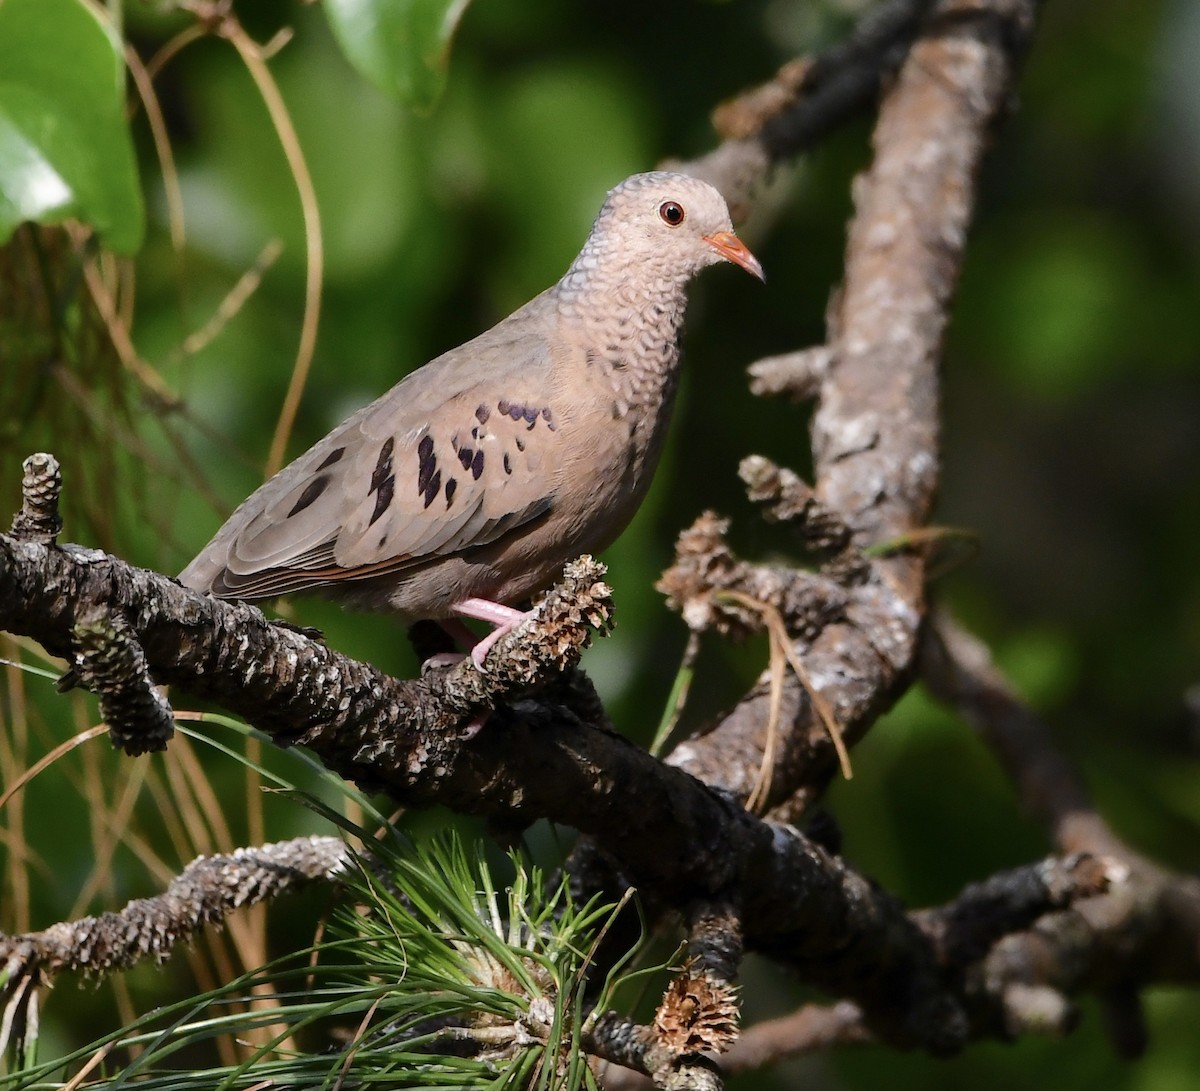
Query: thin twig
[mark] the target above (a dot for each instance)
(252, 57)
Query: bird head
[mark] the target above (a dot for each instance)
(669, 225)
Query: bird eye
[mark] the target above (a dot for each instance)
(672, 213)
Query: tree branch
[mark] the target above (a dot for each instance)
(532, 760)
(875, 431)
(205, 892)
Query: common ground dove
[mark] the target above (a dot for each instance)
(466, 487)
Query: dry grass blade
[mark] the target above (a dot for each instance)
(247, 284)
(112, 820)
(781, 646)
(49, 759)
(95, 1059)
(14, 749)
(352, 1049)
(108, 305)
(254, 59)
(934, 537)
(162, 146)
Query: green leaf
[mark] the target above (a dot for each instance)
(401, 46)
(65, 147)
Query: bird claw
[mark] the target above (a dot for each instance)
(482, 647)
(440, 661)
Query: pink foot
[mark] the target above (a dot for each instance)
(504, 618)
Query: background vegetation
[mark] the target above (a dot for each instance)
(1071, 424)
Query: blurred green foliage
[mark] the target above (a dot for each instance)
(64, 145)
(1071, 402)
(401, 46)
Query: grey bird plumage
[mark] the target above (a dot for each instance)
(476, 477)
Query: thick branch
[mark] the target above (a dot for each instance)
(875, 432)
(809, 1029)
(679, 840)
(807, 99)
(206, 891)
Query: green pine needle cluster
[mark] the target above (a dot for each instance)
(433, 975)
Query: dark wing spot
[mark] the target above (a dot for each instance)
(383, 481)
(434, 486)
(334, 456)
(475, 433)
(383, 499)
(516, 411)
(477, 465)
(465, 454)
(482, 413)
(507, 464)
(503, 406)
(530, 413)
(426, 463)
(311, 491)
(548, 417)
(520, 443)
(383, 465)
(451, 488)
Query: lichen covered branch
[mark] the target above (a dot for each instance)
(875, 429)
(205, 892)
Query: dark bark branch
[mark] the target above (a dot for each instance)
(811, 1028)
(532, 760)
(785, 497)
(715, 939)
(796, 374)
(705, 570)
(206, 891)
(636, 1056)
(1148, 926)
(806, 100)
(699, 1012)
(983, 913)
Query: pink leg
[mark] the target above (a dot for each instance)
(459, 633)
(504, 618)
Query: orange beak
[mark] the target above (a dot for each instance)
(731, 248)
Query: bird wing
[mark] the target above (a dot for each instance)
(455, 456)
